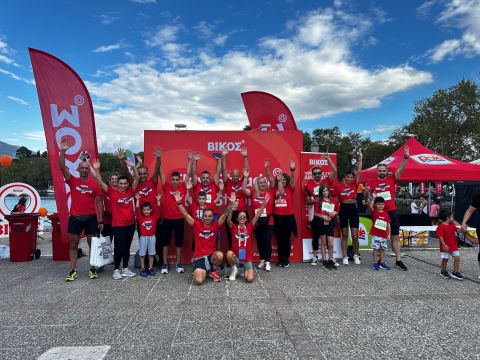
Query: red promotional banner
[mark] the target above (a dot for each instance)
(277, 147)
(264, 108)
(423, 189)
(438, 189)
(67, 111)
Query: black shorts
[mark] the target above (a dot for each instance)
(326, 228)
(170, 226)
(348, 214)
(204, 263)
(87, 224)
(394, 222)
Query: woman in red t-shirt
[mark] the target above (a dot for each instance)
(263, 231)
(324, 214)
(123, 218)
(20, 207)
(242, 246)
(348, 214)
(284, 223)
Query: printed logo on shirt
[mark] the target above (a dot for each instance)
(147, 224)
(125, 200)
(84, 189)
(347, 192)
(236, 188)
(145, 192)
(206, 234)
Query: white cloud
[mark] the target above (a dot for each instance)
(380, 129)
(108, 48)
(18, 100)
(144, 1)
(107, 19)
(16, 77)
(164, 34)
(6, 53)
(465, 16)
(37, 135)
(313, 69)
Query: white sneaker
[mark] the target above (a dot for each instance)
(126, 272)
(345, 261)
(392, 254)
(335, 263)
(117, 275)
(356, 259)
(261, 264)
(233, 274)
(314, 261)
(268, 267)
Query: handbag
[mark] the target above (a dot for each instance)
(101, 253)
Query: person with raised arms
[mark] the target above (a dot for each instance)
(123, 219)
(258, 194)
(241, 253)
(312, 193)
(346, 192)
(207, 257)
(233, 185)
(86, 206)
(384, 186)
(107, 205)
(173, 222)
(205, 183)
(283, 212)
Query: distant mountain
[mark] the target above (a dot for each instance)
(7, 149)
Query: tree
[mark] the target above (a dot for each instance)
(247, 127)
(23, 152)
(448, 122)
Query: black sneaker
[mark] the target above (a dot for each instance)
(286, 264)
(445, 274)
(399, 264)
(456, 275)
(325, 264)
(331, 265)
(280, 264)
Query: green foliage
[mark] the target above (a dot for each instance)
(23, 152)
(448, 122)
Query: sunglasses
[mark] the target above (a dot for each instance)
(317, 173)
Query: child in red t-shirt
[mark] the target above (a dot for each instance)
(448, 245)
(380, 232)
(242, 247)
(147, 217)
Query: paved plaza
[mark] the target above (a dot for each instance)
(303, 312)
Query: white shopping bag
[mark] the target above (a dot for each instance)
(101, 253)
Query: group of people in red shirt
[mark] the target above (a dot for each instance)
(109, 208)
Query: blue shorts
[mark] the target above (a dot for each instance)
(204, 263)
(146, 243)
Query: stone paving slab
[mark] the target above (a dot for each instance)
(303, 312)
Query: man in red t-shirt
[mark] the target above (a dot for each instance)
(173, 222)
(207, 256)
(205, 184)
(233, 185)
(384, 186)
(86, 203)
(107, 206)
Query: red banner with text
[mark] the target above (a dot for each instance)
(67, 112)
(277, 147)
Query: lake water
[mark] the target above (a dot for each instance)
(47, 201)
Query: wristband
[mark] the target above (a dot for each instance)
(244, 157)
(100, 222)
(179, 203)
(406, 156)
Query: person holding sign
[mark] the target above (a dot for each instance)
(324, 223)
(206, 257)
(384, 186)
(347, 196)
(380, 232)
(258, 194)
(241, 253)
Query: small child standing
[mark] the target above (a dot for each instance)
(380, 232)
(147, 220)
(448, 245)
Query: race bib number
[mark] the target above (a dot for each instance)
(380, 224)
(327, 207)
(316, 190)
(281, 203)
(385, 195)
(209, 198)
(263, 214)
(242, 254)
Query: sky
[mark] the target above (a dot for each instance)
(149, 64)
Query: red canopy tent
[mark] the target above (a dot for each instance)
(426, 165)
